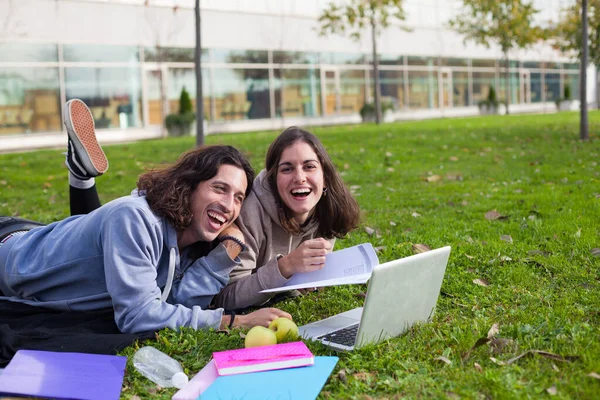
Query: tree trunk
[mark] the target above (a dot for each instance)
(583, 120)
(164, 108)
(377, 88)
(199, 97)
(507, 80)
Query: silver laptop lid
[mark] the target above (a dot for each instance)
(401, 293)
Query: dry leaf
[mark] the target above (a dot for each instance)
(453, 158)
(346, 166)
(552, 390)
(392, 223)
(540, 252)
(370, 231)
(544, 354)
(493, 214)
(506, 238)
(390, 169)
(594, 375)
(416, 214)
(596, 252)
(362, 376)
(555, 368)
(478, 367)
(481, 282)
(443, 359)
(469, 257)
(420, 248)
(493, 331)
(433, 178)
(242, 335)
(379, 249)
(342, 376)
(498, 345)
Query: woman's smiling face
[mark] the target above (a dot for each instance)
(300, 180)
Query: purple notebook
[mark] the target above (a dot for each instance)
(63, 375)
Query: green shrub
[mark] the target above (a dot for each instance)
(185, 103)
(180, 124)
(368, 109)
(491, 100)
(567, 92)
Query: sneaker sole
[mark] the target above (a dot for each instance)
(81, 129)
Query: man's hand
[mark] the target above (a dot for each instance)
(309, 256)
(262, 317)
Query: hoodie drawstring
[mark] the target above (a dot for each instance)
(169, 284)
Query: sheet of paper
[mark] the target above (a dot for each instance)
(352, 265)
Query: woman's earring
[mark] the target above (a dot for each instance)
(324, 192)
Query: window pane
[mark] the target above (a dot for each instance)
(240, 56)
(532, 64)
(342, 58)
(392, 87)
(420, 61)
(570, 66)
(389, 59)
(515, 94)
(484, 63)
(422, 89)
(297, 93)
(295, 57)
(536, 87)
(454, 62)
(99, 53)
(112, 94)
(573, 81)
(241, 93)
(460, 88)
(172, 54)
(186, 77)
(29, 100)
(352, 91)
(552, 87)
(24, 52)
(552, 65)
(482, 82)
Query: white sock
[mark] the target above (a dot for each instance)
(81, 183)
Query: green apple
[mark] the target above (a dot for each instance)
(285, 329)
(260, 336)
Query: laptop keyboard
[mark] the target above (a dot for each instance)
(345, 336)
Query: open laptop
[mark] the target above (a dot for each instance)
(400, 293)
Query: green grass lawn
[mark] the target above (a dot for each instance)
(533, 269)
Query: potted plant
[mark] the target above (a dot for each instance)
(566, 103)
(491, 105)
(367, 111)
(180, 124)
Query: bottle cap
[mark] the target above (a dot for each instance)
(179, 380)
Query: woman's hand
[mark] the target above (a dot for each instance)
(309, 256)
(262, 317)
(233, 248)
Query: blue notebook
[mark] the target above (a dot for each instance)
(302, 383)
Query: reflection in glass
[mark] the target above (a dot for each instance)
(342, 58)
(112, 94)
(241, 93)
(460, 89)
(532, 64)
(295, 57)
(29, 100)
(552, 87)
(482, 82)
(536, 87)
(515, 93)
(388, 59)
(422, 89)
(100, 53)
(454, 62)
(573, 81)
(240, 56)
(414, 60)
(483, 63)
(27, 52)
(186, 77)
(172, 54)
(153, 83)
(392, 87)
(297, 93)
(352, 91)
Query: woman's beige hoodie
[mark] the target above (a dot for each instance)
(265, 238)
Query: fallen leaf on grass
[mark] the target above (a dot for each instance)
(481, 282)
(594, 375)
(453, 158)
(493, 215)
(370, 231)
(433, 178)
(506, 238)
(242, 335)
(544, 354)
(552, 390)
(498, 345)
(392, 223)
(362, 376)
(478, 367)
(379, 249)
(493, 331)
(420, 248)
(416, 214)
(539, 252)
(342, 376)
(443, 359)
(469, 257)
(596, 252)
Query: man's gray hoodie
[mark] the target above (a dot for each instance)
(265, 238)
(120, 256)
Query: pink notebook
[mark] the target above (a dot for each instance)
(264, 358)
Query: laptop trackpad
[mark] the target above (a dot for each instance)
(336, 322)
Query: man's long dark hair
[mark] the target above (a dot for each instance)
(169, 190)
(337, 212)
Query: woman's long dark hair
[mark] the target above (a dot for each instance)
(337, 212)
(169, 190)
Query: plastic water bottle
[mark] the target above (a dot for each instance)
(159, 367)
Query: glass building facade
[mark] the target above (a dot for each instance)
(133, 87)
